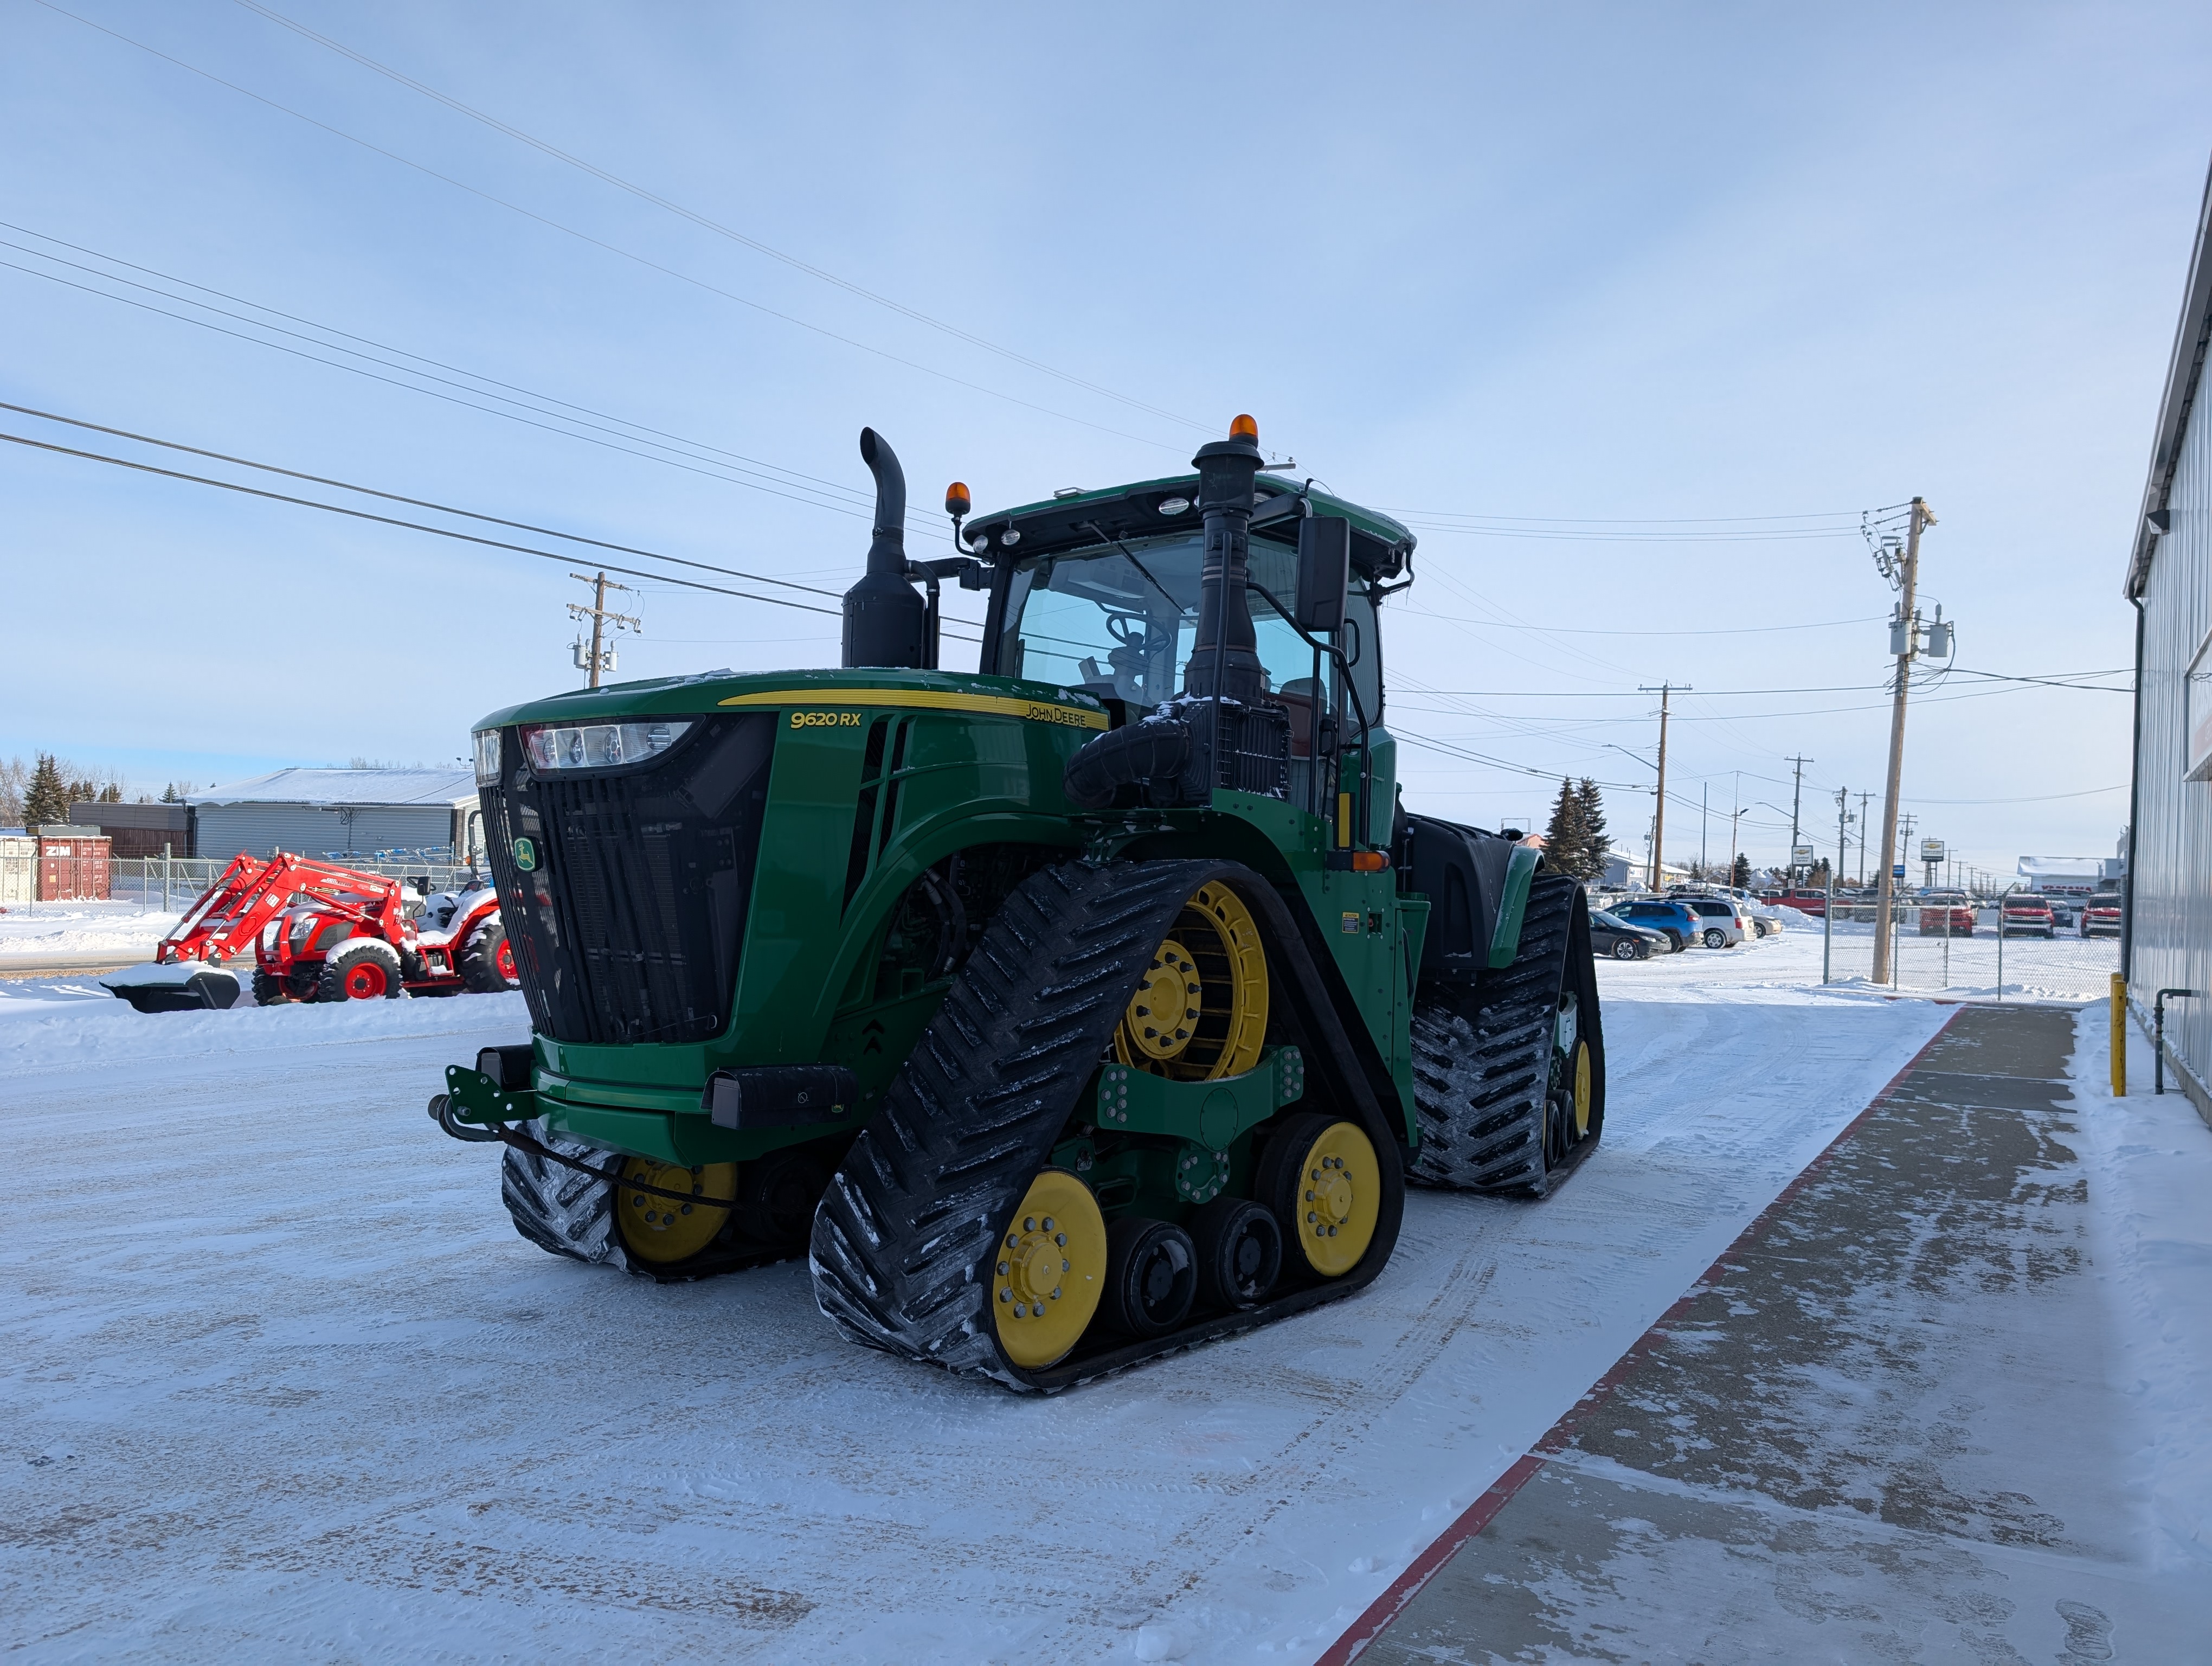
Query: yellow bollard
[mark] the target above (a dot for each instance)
(2119, 1036)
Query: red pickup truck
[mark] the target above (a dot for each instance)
(1814, 903)
(2024, 913)
(1945, 914)
(2100, 914)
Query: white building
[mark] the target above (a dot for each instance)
(342, 813)
(2168, 920)
(2069, 876)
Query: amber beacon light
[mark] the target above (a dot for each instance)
(1244, 429)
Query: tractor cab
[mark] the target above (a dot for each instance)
(1101, 590)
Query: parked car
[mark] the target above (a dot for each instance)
(1765, 917)
(2100, 914)
(1612, 935)
(2024, 913)
(2065, 912)
(1664, 914)
(1946, 913)
(1722, 923)
(1814, 903)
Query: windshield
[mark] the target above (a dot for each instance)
(1119, 622)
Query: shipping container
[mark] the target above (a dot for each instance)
(19, 868)
(74, 869)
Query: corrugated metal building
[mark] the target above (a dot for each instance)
(2168, 922)
(139, 830)
(341, 812)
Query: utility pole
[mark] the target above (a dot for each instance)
(1842, 820)
(1665, 691)
(1735, 815)
(1863, 798)
(1796, 801)
(1705, 821)
(602, 658)
(1906, 639)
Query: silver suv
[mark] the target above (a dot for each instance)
(1723, 923)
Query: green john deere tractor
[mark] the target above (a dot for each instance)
(1070, 1011)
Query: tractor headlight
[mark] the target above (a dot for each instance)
(487, 756)
(598, 745)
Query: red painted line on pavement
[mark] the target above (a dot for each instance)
(1478, 1515)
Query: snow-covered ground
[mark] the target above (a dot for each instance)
(2149, 1162)
(2067, 968)
(281, 1382)
(36, 932)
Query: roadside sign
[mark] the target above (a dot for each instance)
(1931, 850)
(1898, 873)
(1802, 854)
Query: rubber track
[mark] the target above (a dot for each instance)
(909, 1218)
(1482, 1061)
(571, 1213)
(561, 1209)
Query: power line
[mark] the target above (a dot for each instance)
(1828, 688)
(794, 478)
(279, 347)
(1561, 535)
(1582, 631)
(1630, 521)
(602, 244)
(416, 503)
(416, 526)
(705, 224)
(2037, 798)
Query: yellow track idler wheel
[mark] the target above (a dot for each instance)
(1583, 1089)
(1049, 1271)
(662, 1230)
(1200, 1012)
(1320, 1178)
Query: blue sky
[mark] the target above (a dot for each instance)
(1639, 276)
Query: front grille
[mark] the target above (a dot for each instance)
(628, 927)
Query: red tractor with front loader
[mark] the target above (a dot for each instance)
(321, 933)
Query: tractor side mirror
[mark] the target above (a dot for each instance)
(1324, 572)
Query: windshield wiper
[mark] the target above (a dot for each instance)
(1130, 555)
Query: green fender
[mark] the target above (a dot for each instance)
(1520, 870)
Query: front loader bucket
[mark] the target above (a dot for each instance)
(183, 987)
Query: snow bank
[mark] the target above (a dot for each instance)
(45, 931)
(2149, 1159)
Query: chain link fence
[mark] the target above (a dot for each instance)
(170, 885)
(1936, 950)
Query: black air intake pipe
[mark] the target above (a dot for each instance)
(885, 623)
(1225, 657)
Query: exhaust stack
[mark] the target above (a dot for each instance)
(885, 622)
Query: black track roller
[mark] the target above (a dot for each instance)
(1151, 1276)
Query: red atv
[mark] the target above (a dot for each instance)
(320, 932)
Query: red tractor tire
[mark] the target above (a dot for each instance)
(362, 968)
(487, 960)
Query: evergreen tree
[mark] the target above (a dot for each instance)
(111, 793)
(1566, 847)
(1597, 848)
(1742, 873)
(1818, 878)
(47, 799)
(169, 793)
